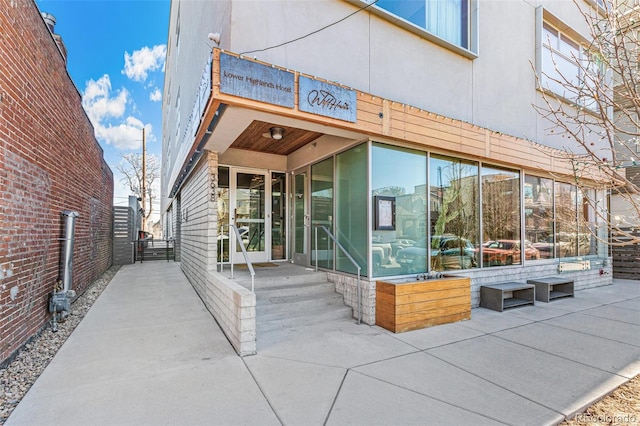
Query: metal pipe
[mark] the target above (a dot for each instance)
(67, 249)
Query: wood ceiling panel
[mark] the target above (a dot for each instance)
(253, 139)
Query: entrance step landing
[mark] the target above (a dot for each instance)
(290, 296)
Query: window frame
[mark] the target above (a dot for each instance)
(472, 11)
(547, 23)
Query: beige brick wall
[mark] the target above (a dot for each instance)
(347, 285)
(231, 305)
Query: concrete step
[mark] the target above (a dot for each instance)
(313, 288)
(310, 317)
(290, 306)
(270, 279)
(298, 301)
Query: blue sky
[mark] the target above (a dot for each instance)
(116, 52)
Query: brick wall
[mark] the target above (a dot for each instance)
(49, 162)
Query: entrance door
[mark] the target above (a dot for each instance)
(249, 202)
(300, 219)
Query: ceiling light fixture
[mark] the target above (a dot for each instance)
(276, 133)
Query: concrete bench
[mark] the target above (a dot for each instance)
(501, 296)
(551, 288)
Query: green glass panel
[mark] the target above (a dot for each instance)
(322, 212)
(351, 208)
(400, 175)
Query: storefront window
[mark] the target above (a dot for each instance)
(566, 241)
(351, 208)
(454, 206)
(587, 226)
(602, 229)
(322, 212)
(399, 182)
(538, 217)
(501, 218)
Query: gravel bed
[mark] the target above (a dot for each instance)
(621, 407)
(17, 377)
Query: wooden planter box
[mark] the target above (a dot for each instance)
(411, 305)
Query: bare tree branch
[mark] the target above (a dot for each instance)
(597, 108)
(131, 168)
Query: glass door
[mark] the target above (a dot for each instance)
(300, 219)
(278, 215)
(250, 201)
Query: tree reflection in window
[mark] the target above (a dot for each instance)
(454, 213)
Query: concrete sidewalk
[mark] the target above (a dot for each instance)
(149, 353)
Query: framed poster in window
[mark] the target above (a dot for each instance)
(384, 213)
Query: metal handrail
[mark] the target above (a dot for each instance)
(359, 291)
(244, 253)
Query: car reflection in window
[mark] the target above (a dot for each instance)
(447, 252)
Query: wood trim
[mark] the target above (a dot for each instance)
(385, 119)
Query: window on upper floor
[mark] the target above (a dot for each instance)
(178, 34)
(568, 68)
(447, 22)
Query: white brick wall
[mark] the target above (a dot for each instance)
(347, 285)
(233, 306)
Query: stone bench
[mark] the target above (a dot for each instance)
(501, 296)
(551, 288)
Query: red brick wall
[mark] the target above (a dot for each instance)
(49, 162)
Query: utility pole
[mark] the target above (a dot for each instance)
(144, 179)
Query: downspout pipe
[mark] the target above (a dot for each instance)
(67, 249)
(60, 301)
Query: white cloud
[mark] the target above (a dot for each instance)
(124, 136)
(106, 110)
(138, 64)
(155, 95)
(98, 102)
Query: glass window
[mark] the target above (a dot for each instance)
(446, 19)
(222, 195)
(401, 174)
(566, 220)
(454, 213)
(249, 210)
(538, 217)
(351, 208)
(278, 215)
(587, 226)
(569, 70)
(322, 212)
(501, 217)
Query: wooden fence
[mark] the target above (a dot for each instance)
(626, 259)
(123, 235)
